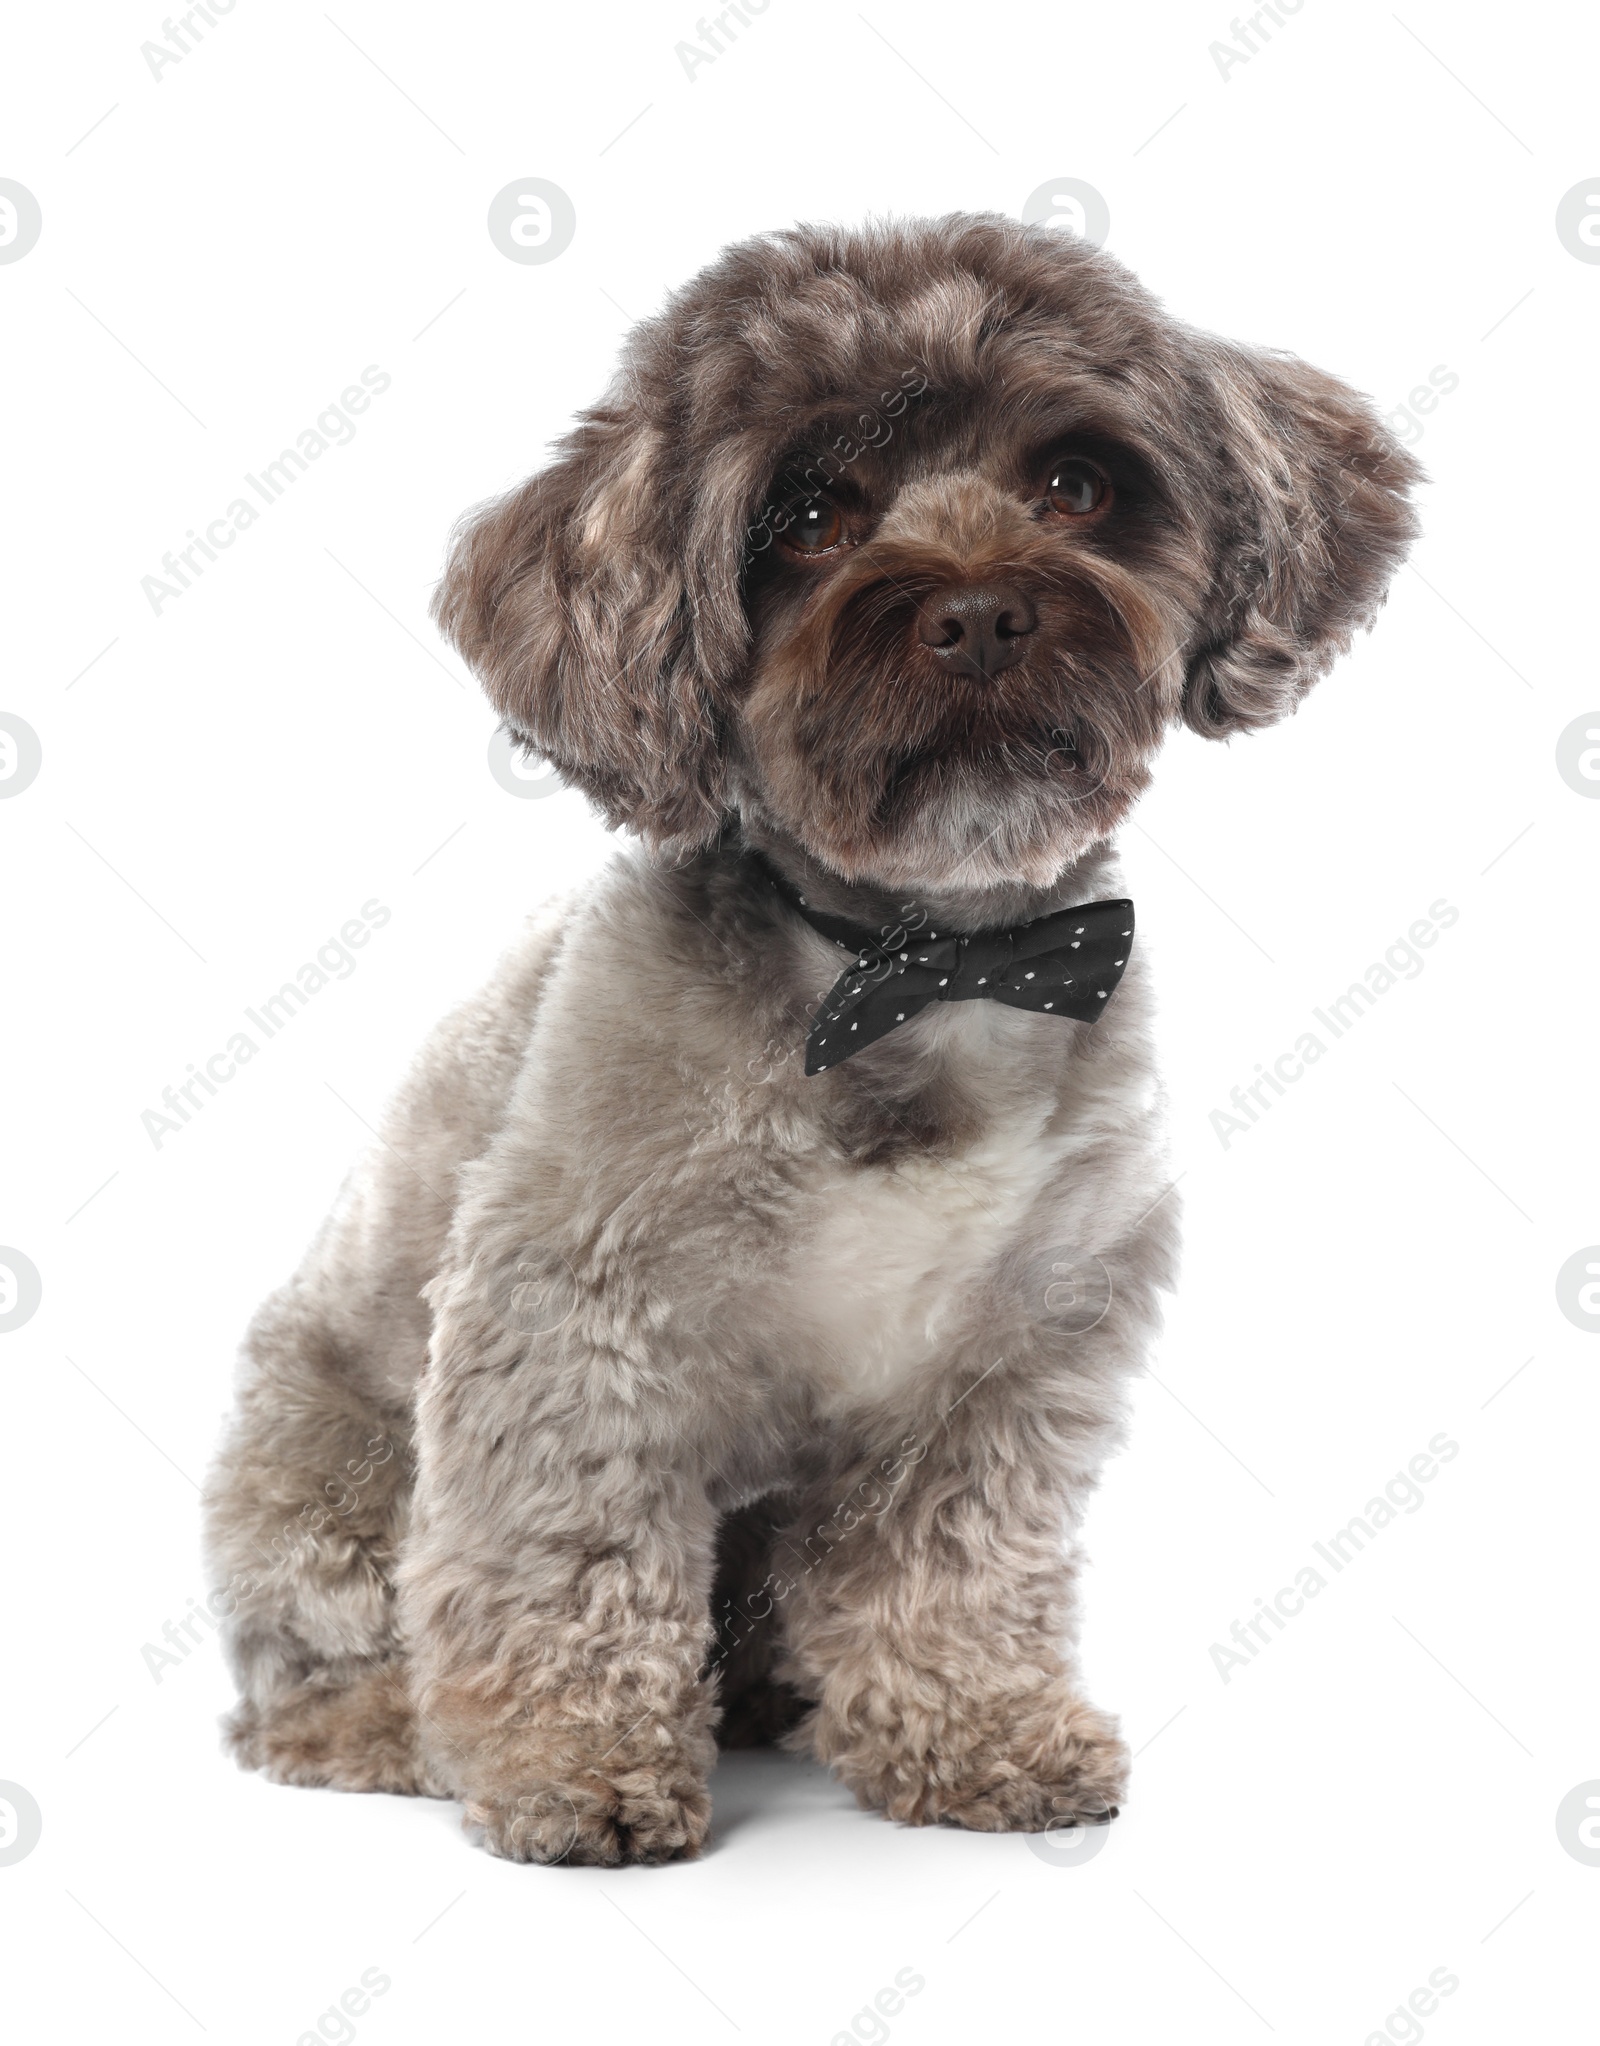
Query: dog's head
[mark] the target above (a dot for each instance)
(912, 541)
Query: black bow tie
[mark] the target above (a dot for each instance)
(1067, 963)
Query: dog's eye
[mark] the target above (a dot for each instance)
(1077, 488)
(814, 527)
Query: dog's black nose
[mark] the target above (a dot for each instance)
(977, 628)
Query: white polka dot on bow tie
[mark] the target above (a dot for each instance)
(945, 982)
(855, 1026)
(983, 980)
(1049, 1005)
(1081, 928)
(1101, 996)
(1027, 976)
(1075, 945)
(901, 1017)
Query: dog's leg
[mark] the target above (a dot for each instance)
(308, 1498)
(556, 1586)
(304, 1509)
(934, 1630)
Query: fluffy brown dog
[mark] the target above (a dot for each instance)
(640, 1376)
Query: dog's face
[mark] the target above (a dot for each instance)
(967, 607)
(912, 543)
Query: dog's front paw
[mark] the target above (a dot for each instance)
(588, 1798)
(1011, 1766)
(595, 1823)
(1066, 1766)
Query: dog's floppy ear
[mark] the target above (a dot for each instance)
(1311, 521)
(572, 600)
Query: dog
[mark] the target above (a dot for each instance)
(726, 1333)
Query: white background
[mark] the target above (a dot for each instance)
(226, 783)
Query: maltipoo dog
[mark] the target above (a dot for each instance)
(729, 1327)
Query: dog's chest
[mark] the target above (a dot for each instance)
(884, 1277)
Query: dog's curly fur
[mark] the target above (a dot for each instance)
(637, 1379)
